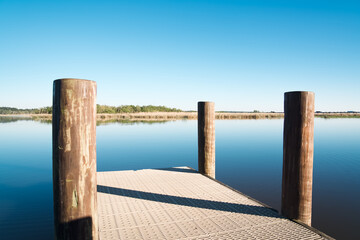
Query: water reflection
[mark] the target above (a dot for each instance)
(130, 122)
(248, 158)
(12, 118)
(8, 119)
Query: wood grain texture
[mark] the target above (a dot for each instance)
(74, 159)
(297, 180)
(206, 138)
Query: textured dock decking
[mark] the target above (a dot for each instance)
(179, 203)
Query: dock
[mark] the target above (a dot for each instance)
(180, 203)
(173, 203)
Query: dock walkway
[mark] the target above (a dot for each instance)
(180, 203)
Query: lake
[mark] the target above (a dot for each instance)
(248, 158)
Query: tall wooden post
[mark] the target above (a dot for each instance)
(298, 152)
(206, 138)
(74, 159)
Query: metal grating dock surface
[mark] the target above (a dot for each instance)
(180, 203)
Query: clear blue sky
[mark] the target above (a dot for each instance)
(243, 55)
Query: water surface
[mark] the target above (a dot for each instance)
(248, 158)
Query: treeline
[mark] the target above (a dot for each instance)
(134, 109)
(100, 109)
(10, 110)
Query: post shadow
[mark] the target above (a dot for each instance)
(191, 202)
(177, 169)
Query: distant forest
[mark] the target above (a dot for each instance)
(10, 110)
(100, 109)
(134, 109)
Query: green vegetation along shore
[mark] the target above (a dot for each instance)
(149, 113)
(100, 109)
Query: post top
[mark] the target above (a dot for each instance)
(205, 102)
(299, 92)
(72, 79)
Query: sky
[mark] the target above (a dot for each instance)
(242, 55)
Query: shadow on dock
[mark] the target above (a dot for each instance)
(190, 202)
(178, 169)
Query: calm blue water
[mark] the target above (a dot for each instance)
(248, 158)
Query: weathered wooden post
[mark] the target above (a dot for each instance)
(298, 152)
(74, 159)
(206, 138)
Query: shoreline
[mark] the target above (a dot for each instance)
(150, 116)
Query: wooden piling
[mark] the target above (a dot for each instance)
(206, 138)
(74, 159)
(298, 152)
